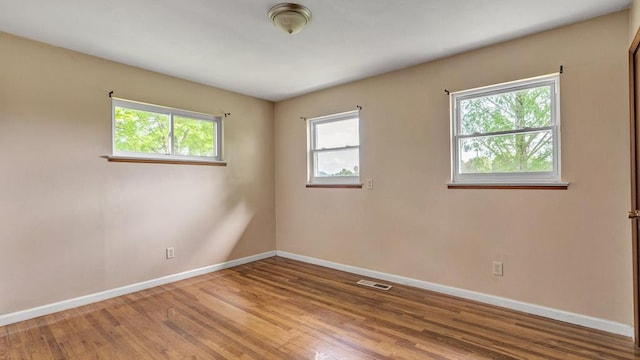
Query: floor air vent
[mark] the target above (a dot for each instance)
(374, 285)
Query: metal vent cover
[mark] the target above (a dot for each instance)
(374, 285)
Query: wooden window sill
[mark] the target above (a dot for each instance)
(515, 186)
(164, 161)
(335, 186)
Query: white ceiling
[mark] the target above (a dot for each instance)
(231, 44)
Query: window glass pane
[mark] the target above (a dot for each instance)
(193, 137)
(337, 134)
(528, 108)
(141, 131)
(523, 152)
(338, 163)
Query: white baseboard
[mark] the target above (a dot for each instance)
(27, 314)
(572, 318)
(565, 316)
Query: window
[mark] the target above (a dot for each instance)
(334, 149)
(156, 132)
(507, 133)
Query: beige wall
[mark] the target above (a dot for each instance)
(634, 19)
(73, 224)
(567, 250)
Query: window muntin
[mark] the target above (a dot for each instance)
(507, 133)
(156, 132)
(334, 149)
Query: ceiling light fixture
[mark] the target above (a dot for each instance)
(290, 18)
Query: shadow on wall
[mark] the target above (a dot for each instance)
(77, 229)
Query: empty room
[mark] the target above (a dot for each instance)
(328, 179)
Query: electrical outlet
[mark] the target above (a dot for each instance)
(497, 268)
(369, 184)
(171, 253)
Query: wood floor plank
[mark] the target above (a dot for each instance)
(279, 308)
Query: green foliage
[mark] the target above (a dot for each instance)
(141, 131)
(478, 164)
(193, 137)
(344, 172)
(148, 132)
(522, 152)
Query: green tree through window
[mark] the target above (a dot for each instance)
(148, 129)
(193, 137)
(141, 131)
(507, 132)
(521, 152)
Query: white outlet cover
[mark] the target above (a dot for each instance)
(498, 268)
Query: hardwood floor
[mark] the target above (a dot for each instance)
(284, 309)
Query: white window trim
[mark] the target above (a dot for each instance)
(312, 151)
(524, 178)
(217, 120)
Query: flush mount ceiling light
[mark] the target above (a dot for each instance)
(291, 18)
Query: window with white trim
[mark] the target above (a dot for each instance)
(334, 149)
(507, 133)
(148, 131)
